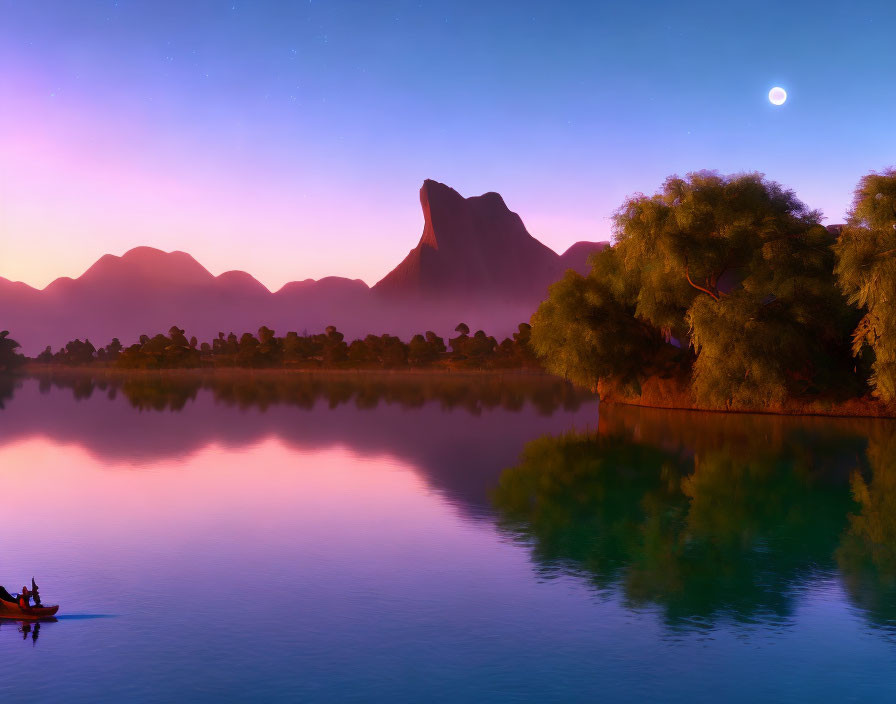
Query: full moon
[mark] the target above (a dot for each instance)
(777, 95)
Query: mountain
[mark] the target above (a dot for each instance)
(147, 290)
(475, 262)
(477, 249)
(576, 257)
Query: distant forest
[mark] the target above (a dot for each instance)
(325, 350)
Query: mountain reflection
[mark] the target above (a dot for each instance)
(457, 430)
(711, 516)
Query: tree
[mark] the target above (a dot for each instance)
(734, 271)
(334, 348)
(584, 333)
(459, 344)
(247, 356)
(866, 272)
(9, 358)
(270, 348)
(481, 346)
(113, 349)
(419, 350)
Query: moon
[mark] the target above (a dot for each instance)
(777, 95)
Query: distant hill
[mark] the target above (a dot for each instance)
(475, 262)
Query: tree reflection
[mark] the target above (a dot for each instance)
(867, 554)
(8, 384)
(474, 393)
(710, 517)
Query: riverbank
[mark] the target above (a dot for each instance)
(675, 394)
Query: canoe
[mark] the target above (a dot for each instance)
(9, 609)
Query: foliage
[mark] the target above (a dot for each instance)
(866, 271)
(733, 271)
(584, 333)
(326, 350)
(9, 358)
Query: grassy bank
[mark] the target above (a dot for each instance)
(675, 394)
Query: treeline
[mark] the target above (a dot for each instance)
(325, 350)
(731, 287)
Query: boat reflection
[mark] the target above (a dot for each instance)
(28, 629)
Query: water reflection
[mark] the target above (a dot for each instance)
(172, 391)
(458, 430)
(709, 516)
(746, 544)
(30, 630)
(704, 516)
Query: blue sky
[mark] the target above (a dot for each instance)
(289, 138)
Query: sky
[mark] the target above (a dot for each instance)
(289, 139)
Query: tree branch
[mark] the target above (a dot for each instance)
(687, 273)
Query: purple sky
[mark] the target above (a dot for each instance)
(289, 139)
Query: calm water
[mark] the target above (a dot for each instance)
(465, 539)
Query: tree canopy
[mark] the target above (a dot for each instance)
(9, 358)
(327, 350)
(734, 272)
(866, 271)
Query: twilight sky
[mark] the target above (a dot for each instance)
(290, 138)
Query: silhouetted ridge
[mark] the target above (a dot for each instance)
(471, 247)
(475, 262)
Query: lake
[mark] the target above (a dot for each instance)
(440, 538)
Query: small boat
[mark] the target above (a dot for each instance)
(11, 609)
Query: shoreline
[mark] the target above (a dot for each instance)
(671, 395)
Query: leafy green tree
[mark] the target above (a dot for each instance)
(866, 271)
(584, 333)
(393, 352)
(248, 356)
(435, 342)
(459, 344)
(77, 352)
(359, 353)
(419, 351)
(9, 358)
(335, 350)
(735, 271)
(270, 348)
(481, 346)
(113, 349)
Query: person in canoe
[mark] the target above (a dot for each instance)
(25, 598)
(19, 606)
